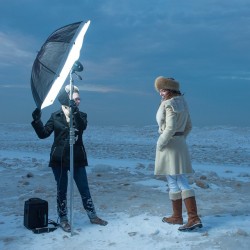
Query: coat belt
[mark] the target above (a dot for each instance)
(178, 134)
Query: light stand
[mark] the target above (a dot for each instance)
(71, 144)
(76, 67)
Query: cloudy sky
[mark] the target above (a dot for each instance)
(204, 44)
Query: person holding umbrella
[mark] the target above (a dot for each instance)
(60, 153)
(172, 156)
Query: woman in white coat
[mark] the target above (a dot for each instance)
(172, 155)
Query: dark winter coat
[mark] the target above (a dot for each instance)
(60, 150)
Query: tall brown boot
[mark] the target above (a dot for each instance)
(193, 219)
(176, 217)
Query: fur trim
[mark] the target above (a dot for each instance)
(162, 82)
(177, 103)
(187, 193)
(175, 196)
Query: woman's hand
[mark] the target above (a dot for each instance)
(37, 114)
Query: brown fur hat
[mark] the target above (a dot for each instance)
(162, 82)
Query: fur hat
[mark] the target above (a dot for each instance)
(162, 82)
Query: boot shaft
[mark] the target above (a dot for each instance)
(176, 217)
(193, 218)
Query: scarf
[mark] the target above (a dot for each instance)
(66, 112)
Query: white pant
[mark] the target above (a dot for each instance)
(177, 183)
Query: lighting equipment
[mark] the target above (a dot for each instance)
(56, 60)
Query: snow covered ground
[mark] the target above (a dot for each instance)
(125, 191)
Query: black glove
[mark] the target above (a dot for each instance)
(37, 114)
(73, 106)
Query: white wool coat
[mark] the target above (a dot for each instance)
(172, 155)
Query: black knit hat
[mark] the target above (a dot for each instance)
(63, 96)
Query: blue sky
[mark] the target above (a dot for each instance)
(204, 44)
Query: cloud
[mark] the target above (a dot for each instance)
(104, 68)
(85, 87)
(9, 86)
(235, 77)
(98, 88)
(15, 50)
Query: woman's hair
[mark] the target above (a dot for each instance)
(175, 92)
(75, 89)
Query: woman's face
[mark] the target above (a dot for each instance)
(76, 98)
(165, 94)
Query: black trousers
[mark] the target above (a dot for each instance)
(81, 180)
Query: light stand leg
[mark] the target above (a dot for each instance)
(71, 142)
